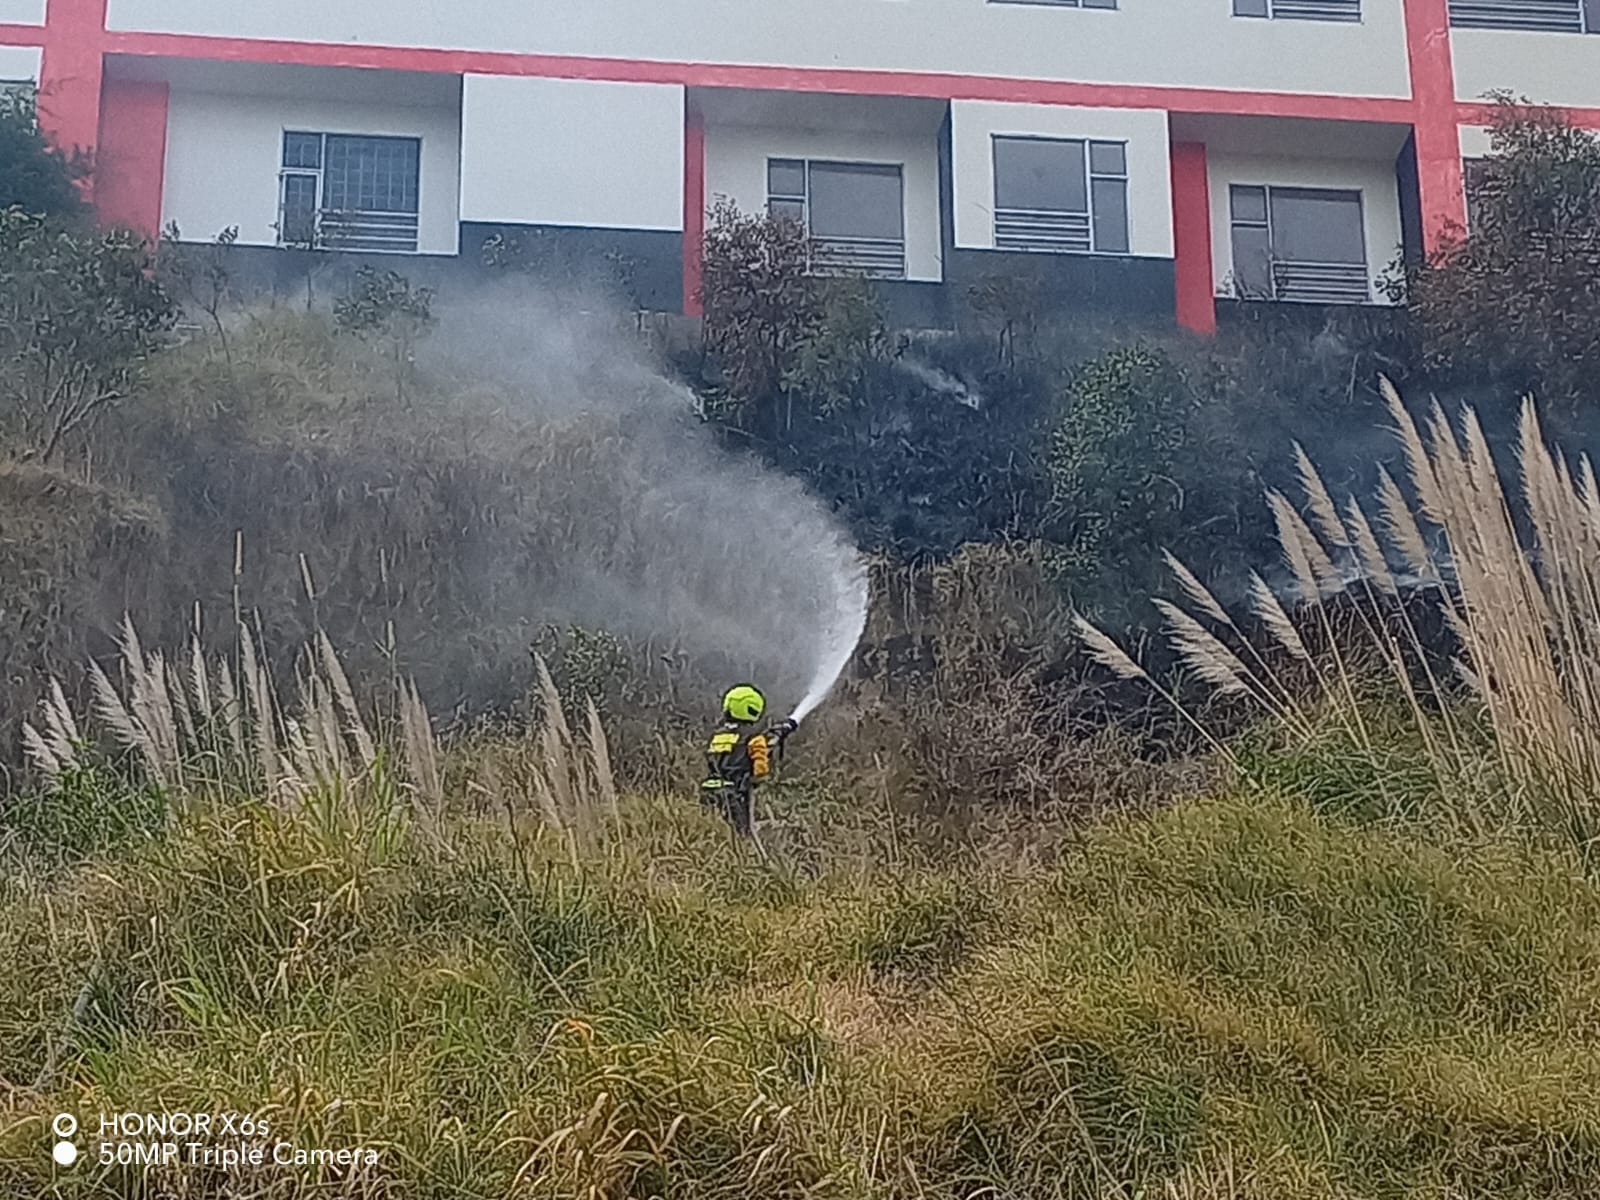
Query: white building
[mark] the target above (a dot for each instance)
(1146, 154)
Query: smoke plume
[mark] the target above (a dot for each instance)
(674, 539)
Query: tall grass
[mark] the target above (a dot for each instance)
(1509, 729)
(1233, 998)
(196, 729)
(196, 732)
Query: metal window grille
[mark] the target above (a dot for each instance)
(1299, 10)
(872, 243)
(349, 192)
(1085, 212)
(1547, 16)
(1266, 267)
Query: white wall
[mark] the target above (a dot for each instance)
(1375, 179)
(1548, 68)
(1180, 42)
(571, 152)
(973, 124)
(736, 167)
(19, 63)
(224, 151)
(1474, 141)
(21, 12)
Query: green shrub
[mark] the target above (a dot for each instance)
(35, 177)
(1119, 455)
(79, 313)
(1497, 302)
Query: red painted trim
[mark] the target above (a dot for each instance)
(130, 157)
(1191, 238)
(22, 35)
(694, 209)
(933, 85)
(1437, 140)
(70, 72)
(75, 40)
(1473, 113)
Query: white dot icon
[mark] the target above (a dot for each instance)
(64, 1126)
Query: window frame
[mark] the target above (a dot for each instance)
(1266, 224)
(1269, 10)
(382, 220)
(889, 267)
(1586, 11)
(1091, 213)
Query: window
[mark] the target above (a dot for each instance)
(1059, 195)
(853, 212)
(1550, 16)
(339, 191)
(1303, 244)
(1299, 10)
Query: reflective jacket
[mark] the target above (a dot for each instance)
(737, 756)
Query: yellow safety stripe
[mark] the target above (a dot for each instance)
(723, 743)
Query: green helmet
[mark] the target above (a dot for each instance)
(744, 703)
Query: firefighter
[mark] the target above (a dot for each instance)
(738, 757)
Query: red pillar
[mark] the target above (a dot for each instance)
(70, 73)
(1433, 95)
(131, 156)
(1191, 238)
(694, 207)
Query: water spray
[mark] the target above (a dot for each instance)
(666, 534)
(840, 632)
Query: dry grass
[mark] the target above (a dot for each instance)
(194, 734)
(1232, 999)
(1525, 608)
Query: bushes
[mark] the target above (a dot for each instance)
(1115, 461)
(1510, 300)
(760, 306)
(79, 312)
(782, 339)
(388, 308)
(34, 177)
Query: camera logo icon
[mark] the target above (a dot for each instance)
(64, 1152)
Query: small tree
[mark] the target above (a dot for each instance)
(1006, 304)
(79, 312)
(1514, 299)
(390, 308)
(760, 307)
(830, 368)
(783, 336)
(200, 274)
(1114, 463)
(34, 175)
